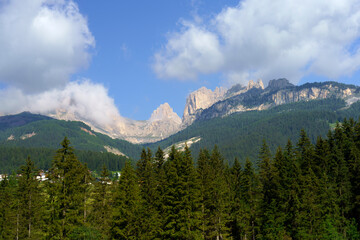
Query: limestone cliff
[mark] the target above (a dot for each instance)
(252, 84)
(162, 123)
(311, 92)
(198, 101)
(278, 92)
(205, 104)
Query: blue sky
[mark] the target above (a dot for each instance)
(128, 34)
(111, 58)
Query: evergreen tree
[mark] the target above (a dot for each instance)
(340, 177)
(30, 202)
(159, 162)
(66, 193)
(203, 170)
(310, 210)
(215, 196)
(151, 221)
(181, 197)
(236, 224)
(251, 192)
(272, 218)
(100, 215)
(127, 200)
(8, 219)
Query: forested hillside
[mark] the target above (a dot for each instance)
(303, 191)
(48, 133)
(13, 157)
(241, 134)
(39, 136)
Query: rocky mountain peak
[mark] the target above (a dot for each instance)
(277, 84)
(164, 112)
(257, 84)
(201, 99)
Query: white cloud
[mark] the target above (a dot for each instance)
(267, 39)
(42, 43)
(193, 51)
(83, 100)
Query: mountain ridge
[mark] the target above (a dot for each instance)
(204, 104)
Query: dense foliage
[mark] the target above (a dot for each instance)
(13, 157)
(304, 191)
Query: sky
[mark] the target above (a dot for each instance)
(124, 58)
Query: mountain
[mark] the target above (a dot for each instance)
(278, 92)
(35, 131)
(240, 134)
(237, 120)
(162, 123)
(199, 100)
(38, 136)
(20, 120)
(204, 104)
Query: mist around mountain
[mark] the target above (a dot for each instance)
(236, 120)
(204, 104)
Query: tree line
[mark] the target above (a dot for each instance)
(303, 191)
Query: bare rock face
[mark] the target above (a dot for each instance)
(162, 123)
(165, 113)
(278, 92)
(199, 100)
(204, 104)
(311, 93)
(258, 84)
(277, 84)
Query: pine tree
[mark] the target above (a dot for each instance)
(151, 221)
(181, 197)
(160, 177)
(215, 196)
(8, 221)
(66, 193)
(250, 188)
(305, 153)
(203, 170)
(310, 209)
(100, 215)
(272, 219)
(30, 202)
(282, 165)
(236, 202)
(127, 200)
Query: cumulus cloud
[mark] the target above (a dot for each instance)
(83, 100)
(267, 39)
(42, 43)
(193, 51)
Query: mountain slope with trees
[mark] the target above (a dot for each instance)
(38, 136)
(303, 191)
(240, 134)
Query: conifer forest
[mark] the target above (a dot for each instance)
(305, 190)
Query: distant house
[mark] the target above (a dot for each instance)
(42, 176)
(2, 177)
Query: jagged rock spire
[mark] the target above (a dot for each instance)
(257, 84)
